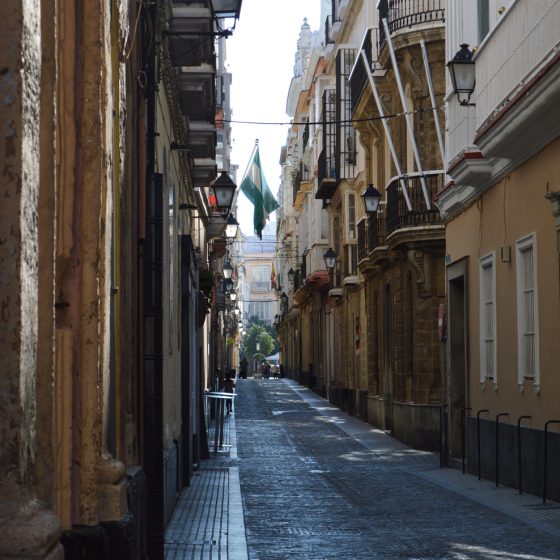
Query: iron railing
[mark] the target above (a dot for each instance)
(408, 13)
(296, 182)
(305, 136)
(398, 215)
(328, 31)
(376, 229)
(362, 240)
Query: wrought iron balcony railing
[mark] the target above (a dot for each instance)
(362, 240)
(296, 182)
(328, 31)
(398, 215)
(377, 228)
(401, 14)
(305, 136)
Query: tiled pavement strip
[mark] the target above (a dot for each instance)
(208, 521)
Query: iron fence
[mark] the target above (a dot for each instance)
(398, 215)
(408, 13)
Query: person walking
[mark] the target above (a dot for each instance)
(229, 386)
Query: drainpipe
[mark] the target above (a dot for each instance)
(153, 311)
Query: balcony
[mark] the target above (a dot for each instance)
(398, 215)
(191, 50)
(326, 176)
(407, 14)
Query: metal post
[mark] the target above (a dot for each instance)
(407, 116)
(442, 436)
(519, 474)
(498, 445)
(464, 427)
(387, 131)
(546, 455)
(478, 436)
(433, 100)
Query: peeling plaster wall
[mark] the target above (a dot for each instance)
(20, 76)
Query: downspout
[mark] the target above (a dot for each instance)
(387, 131)
(407, 116)
(153, 311)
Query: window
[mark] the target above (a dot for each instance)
(483, 19)
(260, 310)
(351, 268)
(261, 278)
(527, 311)
(324, 224)
(488, 317)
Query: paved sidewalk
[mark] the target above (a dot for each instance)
(208, 520)
(525, 507)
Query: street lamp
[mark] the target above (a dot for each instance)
(231, 228)
(225, 9)
(224, 189)
(233, 296)
(237, 311)
(330, 258)
(463, 75)
(291, 275)
(371, 197)
(227, 271)
(228, 285)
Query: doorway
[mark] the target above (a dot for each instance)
(457, 358)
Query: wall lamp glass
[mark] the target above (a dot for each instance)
(291, 275)
(330, 258)
(224, 189)
(232, 227)
(227, 271)
(371, 197)
(463, 75)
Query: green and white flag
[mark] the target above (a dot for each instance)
(256, 189)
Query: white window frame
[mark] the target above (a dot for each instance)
(351, 227)
(522, 245)
(260, 278)
(488, 262)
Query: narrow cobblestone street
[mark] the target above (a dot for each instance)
(312, 492)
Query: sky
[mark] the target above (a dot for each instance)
(260, 57)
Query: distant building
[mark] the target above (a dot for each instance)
(257, 279)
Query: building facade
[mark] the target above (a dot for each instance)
(367, 110)
(109, 227)
(501, 213)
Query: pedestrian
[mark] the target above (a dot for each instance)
(274, 371)
(266, 370)
(229, 386)
(243, 368)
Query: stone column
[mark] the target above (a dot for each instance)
(28, 529)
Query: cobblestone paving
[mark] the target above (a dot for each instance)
(311, 492)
